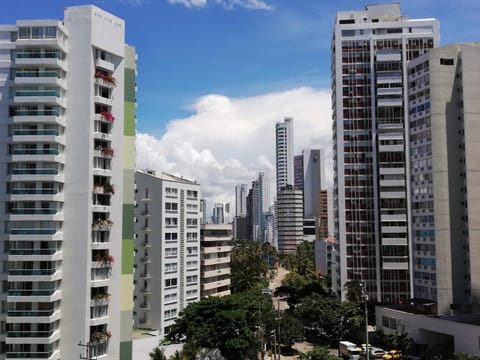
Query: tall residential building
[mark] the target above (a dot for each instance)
(258, 205)
(289, 217)
(444, 87)
(241, 191)
(167, 248)
(203, 211)
(370, 52)
(216, 246)
(313, 181)
(284, 152)
(221, 213)
(67, 105)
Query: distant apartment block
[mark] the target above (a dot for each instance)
(67, 106)
(284, 153)
(216, 245)
(289, 217)
(167, 248)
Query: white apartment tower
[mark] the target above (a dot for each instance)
(67, 105)
(284, 152)
(167, 248)
(241, 191)
(444, 113)
(370, 52)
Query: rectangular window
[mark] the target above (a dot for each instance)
(171, 267)
(171, 206)
(170, 314)
(170, 252)
(444, 61)
(170, 282)
(192, 251)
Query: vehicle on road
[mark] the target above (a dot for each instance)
(348, 350)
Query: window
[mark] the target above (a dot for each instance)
(170, 314)
(171, 222)
(169, 252)
(193, 279)
(170, 298)
(191, 264)
(192, 194)
(192, 222)
(192, 236)
(171, 191)
(170, 283)
(171, 206)
(192, 251)
(444, 61)
(171, 236)
(171, 267)
(191, 293)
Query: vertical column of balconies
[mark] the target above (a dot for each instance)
(34, 208)
(103, 191)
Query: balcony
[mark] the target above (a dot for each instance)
(49, 77)
(45, 58)
(34, 275)
(34, 295)
(34, 255)
(50, 355)
(39, 97)
(45, 231)
(33, 316)
(33, 211)
(215, 284)
(217, 249)
(103, 100)
(104, 65)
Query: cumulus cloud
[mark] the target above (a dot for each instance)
(227, 141)
(227, 4)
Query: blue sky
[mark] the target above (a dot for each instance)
(185, 53)
(215, 76)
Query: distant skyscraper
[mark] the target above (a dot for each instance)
(241, 191)
(284, 153)
(314, 181)
(221, 213)
(258, 205)
(203, 211)
(298, 171)
(289, 212)
(371, 49)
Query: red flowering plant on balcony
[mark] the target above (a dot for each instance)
(108, 151)
(109, 259)
(107, 116)
(107, 77)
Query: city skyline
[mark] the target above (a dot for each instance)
(208, 104)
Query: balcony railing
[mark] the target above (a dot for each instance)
(32, 231)
(35, 132)
(35, 171)
(40, 55)
(31, 272)
(33, 313)
(35, 152)
(30, 292)
(29, 355)
(32, 251)
(55, 93)
(24, 191)
(30, 334)
(38, 74)
(19, 211)
(19, 112)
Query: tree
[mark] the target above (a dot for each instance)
(209, 354)
(248, 267)
(228, 324)
(317, 353)
(297, 287)
(291, 330)
(462, 356)
(157, 354)
(354, 291)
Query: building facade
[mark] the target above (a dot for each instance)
(370, 53)
(284, 152)
(167, 248)
(241, 192)
(67, 96)
(289, 217)
(216, 246)
(443, 112)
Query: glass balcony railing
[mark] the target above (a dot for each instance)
(35, 152)
(37, 74)
(24, 191)
(40, 55)
(35, 171)
(37, 93)
(32, 251)
(29, 355)
(30, 334)
(32, 313)
(30, 292)
(27, 211)
(35, 132)
(20, 112)
(17, 272)
(33, 231)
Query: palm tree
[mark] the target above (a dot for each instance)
(354, 291)
(209, 354)
(158, 354)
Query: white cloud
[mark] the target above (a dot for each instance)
(227, 141)
(227, 4)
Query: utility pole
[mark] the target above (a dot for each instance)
(278, 334)
(365, 301)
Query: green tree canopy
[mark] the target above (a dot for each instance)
(318, 353)
(158, 353)
(249, 266)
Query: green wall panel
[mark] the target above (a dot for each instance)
(129, 119)
(126, 350)
(129, 85)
